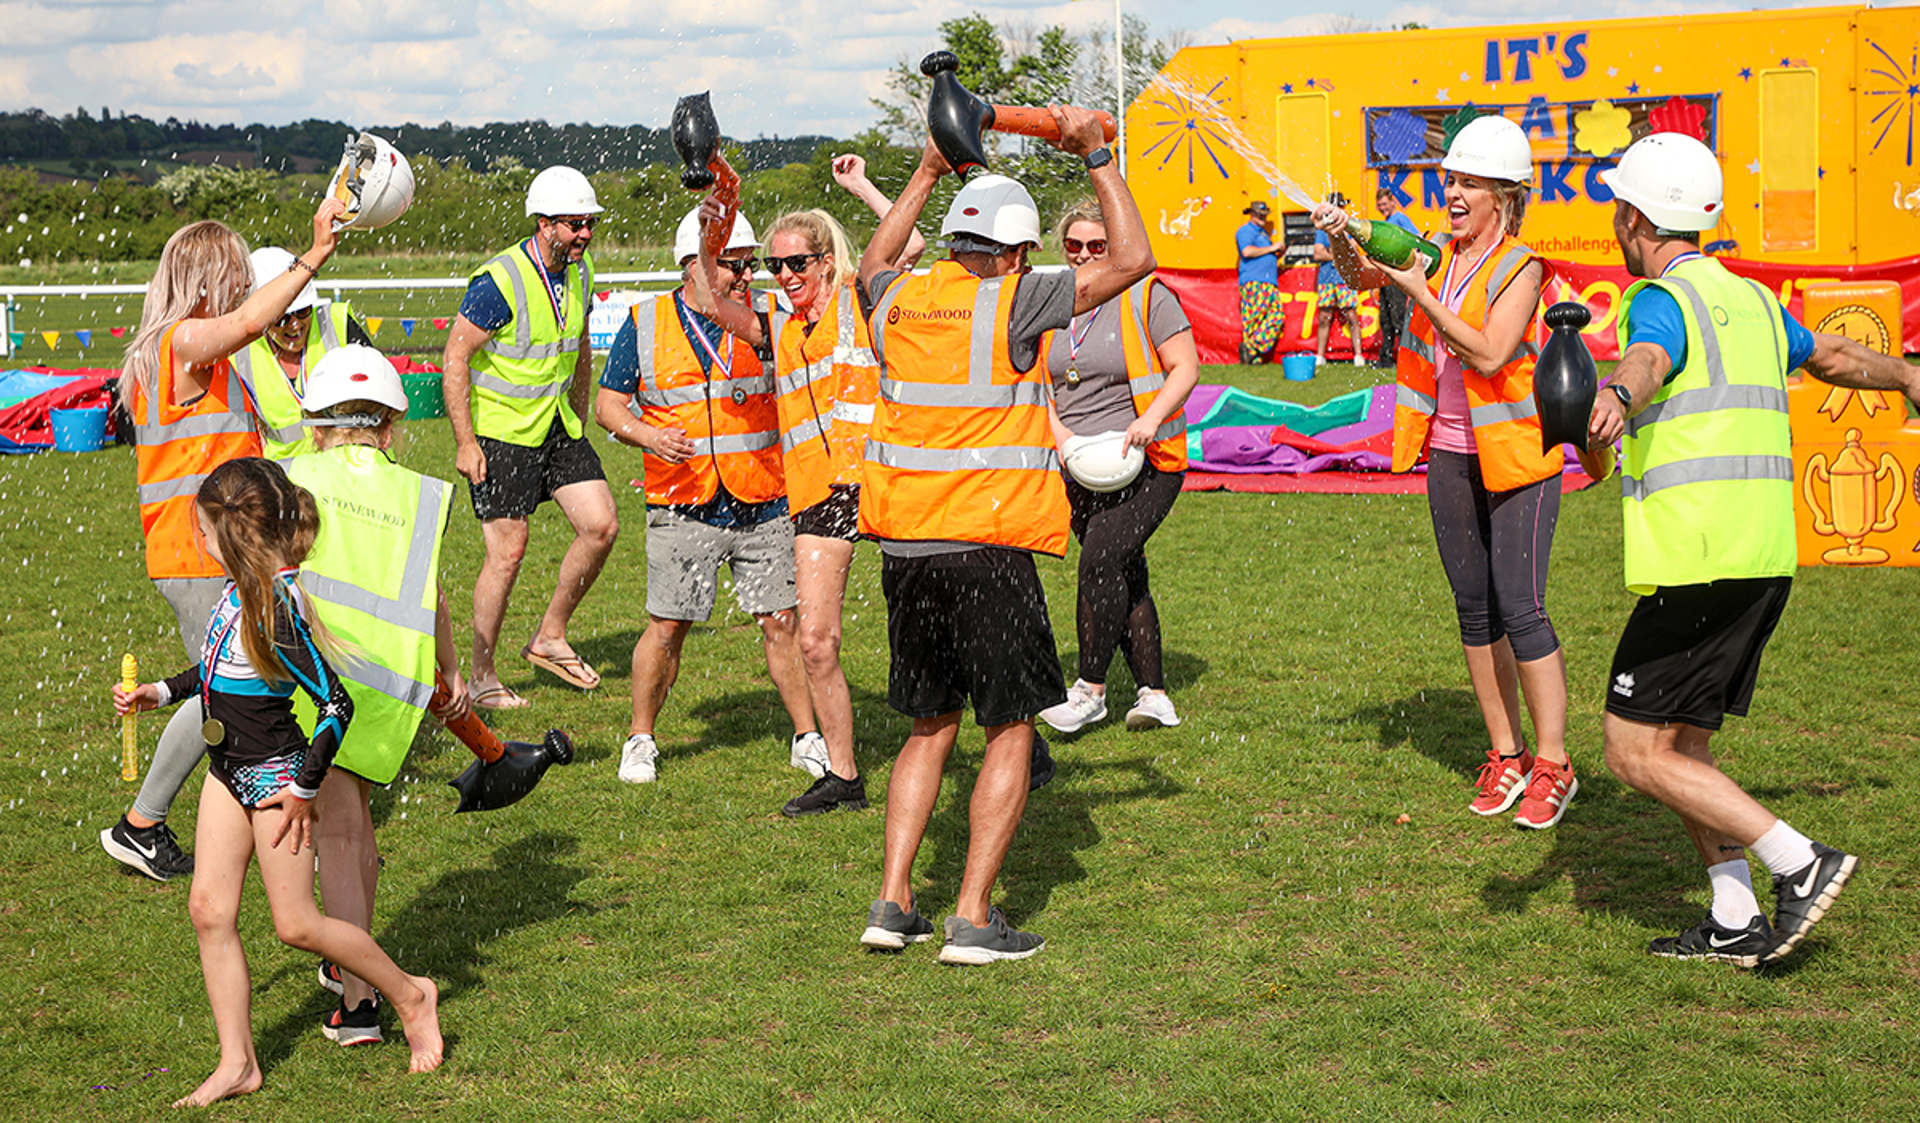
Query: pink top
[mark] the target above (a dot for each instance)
(1452, 427)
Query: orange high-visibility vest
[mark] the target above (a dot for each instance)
(960, 448)
(1145, 375)
(175, 448)
(828, 381)
(730, 417)
(1506, 427)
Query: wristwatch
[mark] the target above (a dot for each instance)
(1621, 392)
(1098, 158)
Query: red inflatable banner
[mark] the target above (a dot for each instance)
(1212, 302)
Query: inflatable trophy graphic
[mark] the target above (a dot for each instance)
(696, 138)
(956, 118)
(1565, 379)
(505, 772)
(1853, 485)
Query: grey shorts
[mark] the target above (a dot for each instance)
(684, 556)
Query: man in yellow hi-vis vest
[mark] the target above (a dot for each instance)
(1707, 486)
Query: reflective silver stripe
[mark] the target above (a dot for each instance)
(501, 386)
(1707, 469)
(1707, 399)
(746, 383)
(853, 413)
(163, 490)
(1003, 458)
(1418, 346)
(739, 442)
(1703, 319)
(334, 591)
(1504, 271)
(1148, 383)
(816, 371)
(1172, 427)
(1409, 398)
(879, 320)
(971, 396)
(532, 351)
(416, 574)
(329, 338)
(807, 429)
(288, 435)
(384, 680)
(192, 428)
(1526, 350)
(1496, 413)
(667, 399)
(644, 315)
(986, 301)
(1767, 302)
(522, 329)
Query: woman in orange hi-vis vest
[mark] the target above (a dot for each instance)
(828, 379)
(1465, 398)
(1126, 366)
(190, 415)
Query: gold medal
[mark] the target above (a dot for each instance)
(1073, 376)
(213, 731)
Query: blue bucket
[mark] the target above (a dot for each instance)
(79, 430)
(1298, 367)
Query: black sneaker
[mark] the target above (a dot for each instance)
(1043, 767)
(358, 1026)
(1709, 941)
(828, 793)
(890, 929)
(1804, 896)
(968, 946)
(150, 850)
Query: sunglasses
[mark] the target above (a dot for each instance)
(294, 317)
(737, 266)
(796, 263)
(578, 224)
(1097, 247)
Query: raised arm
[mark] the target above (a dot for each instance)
(889, 243)
(200, 343)
(1844, 362)
(729, 313)
(850, 172)
(1129, 255)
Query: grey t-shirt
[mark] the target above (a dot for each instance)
(1101, 401)
(1042, 303)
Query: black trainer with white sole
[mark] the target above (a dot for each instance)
(828, 793)
(1709, 941)
(889, 928)
(152, 851)
(970, 946)
(358, 1026)
(1802, 897)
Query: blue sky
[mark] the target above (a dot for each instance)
(774, 66)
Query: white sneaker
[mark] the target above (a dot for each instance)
(1153, 710)
(639, 760)
(1082, 708)
(809, 754)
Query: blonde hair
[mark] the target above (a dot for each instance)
(203, 271)
(263, 522)
(333, 436)
(823, 234)
(1086, 210)
(1513, 197)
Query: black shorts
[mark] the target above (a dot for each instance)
(1691, 653)
(836, 516)
(970, 625)
(520, 478)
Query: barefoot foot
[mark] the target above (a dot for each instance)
(223, 1084)
(420, 1020)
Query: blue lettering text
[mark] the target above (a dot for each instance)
(1553, 182)
(1433, 188)
(1539, 117)
(1574, 61)
(1521, 51)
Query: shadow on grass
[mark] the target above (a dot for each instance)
(1181, 670)
(442, 932)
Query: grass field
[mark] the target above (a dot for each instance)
(1239, 927)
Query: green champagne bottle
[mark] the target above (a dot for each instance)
(1385, 242)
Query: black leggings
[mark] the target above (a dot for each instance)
(1494, 546)
(1115, 603)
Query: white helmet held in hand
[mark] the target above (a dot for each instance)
(1492, 147)
(374, 181)
(1103, 461)
(561, 190)
(352, 373)
(995, 209)
(686, 239)
(1671, 178)
(271, 261)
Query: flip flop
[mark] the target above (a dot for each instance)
(570, 669)
(492, 699)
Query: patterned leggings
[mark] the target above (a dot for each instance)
(1262, 316)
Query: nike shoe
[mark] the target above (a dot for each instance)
(889, 928)
(1548, 792)
(1708, 941)
(968, 946)
(1082, 708)
(1801, 898)
(358, 1026)
(1501, 781)
(150, 850)
(639, 760)
(809, 754)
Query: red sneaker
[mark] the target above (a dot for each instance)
(1548, 793)
(1501, 781)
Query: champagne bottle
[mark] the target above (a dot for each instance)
(1387, 243)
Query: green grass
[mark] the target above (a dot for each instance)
(1237, 926)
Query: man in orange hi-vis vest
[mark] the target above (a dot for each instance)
(962, 488)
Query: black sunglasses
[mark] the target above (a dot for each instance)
(1096, 247)
(292, 317)
(578, 224)
(795, 262)
(738, 266)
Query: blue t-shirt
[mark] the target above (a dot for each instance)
(1654, 317)
(1401, 220)
(1329, 272)
(1263, 268)
(488, 309)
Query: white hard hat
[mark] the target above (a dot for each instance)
(374, 181)
(686, 239)
(996, 209)
(1671, 178)
(271, 261)
(351, 373)
(561, 190)
(1493, 147)
(1103, 461)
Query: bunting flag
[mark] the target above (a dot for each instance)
(52, 338)
(373, 324)
(440, 324)
(406, 327)
(84, 335)
(19, 339)
(117, 332)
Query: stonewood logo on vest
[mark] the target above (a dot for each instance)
(359, 511)
(895, 314)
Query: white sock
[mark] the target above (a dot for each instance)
(1783, 849)
(1734, 905)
